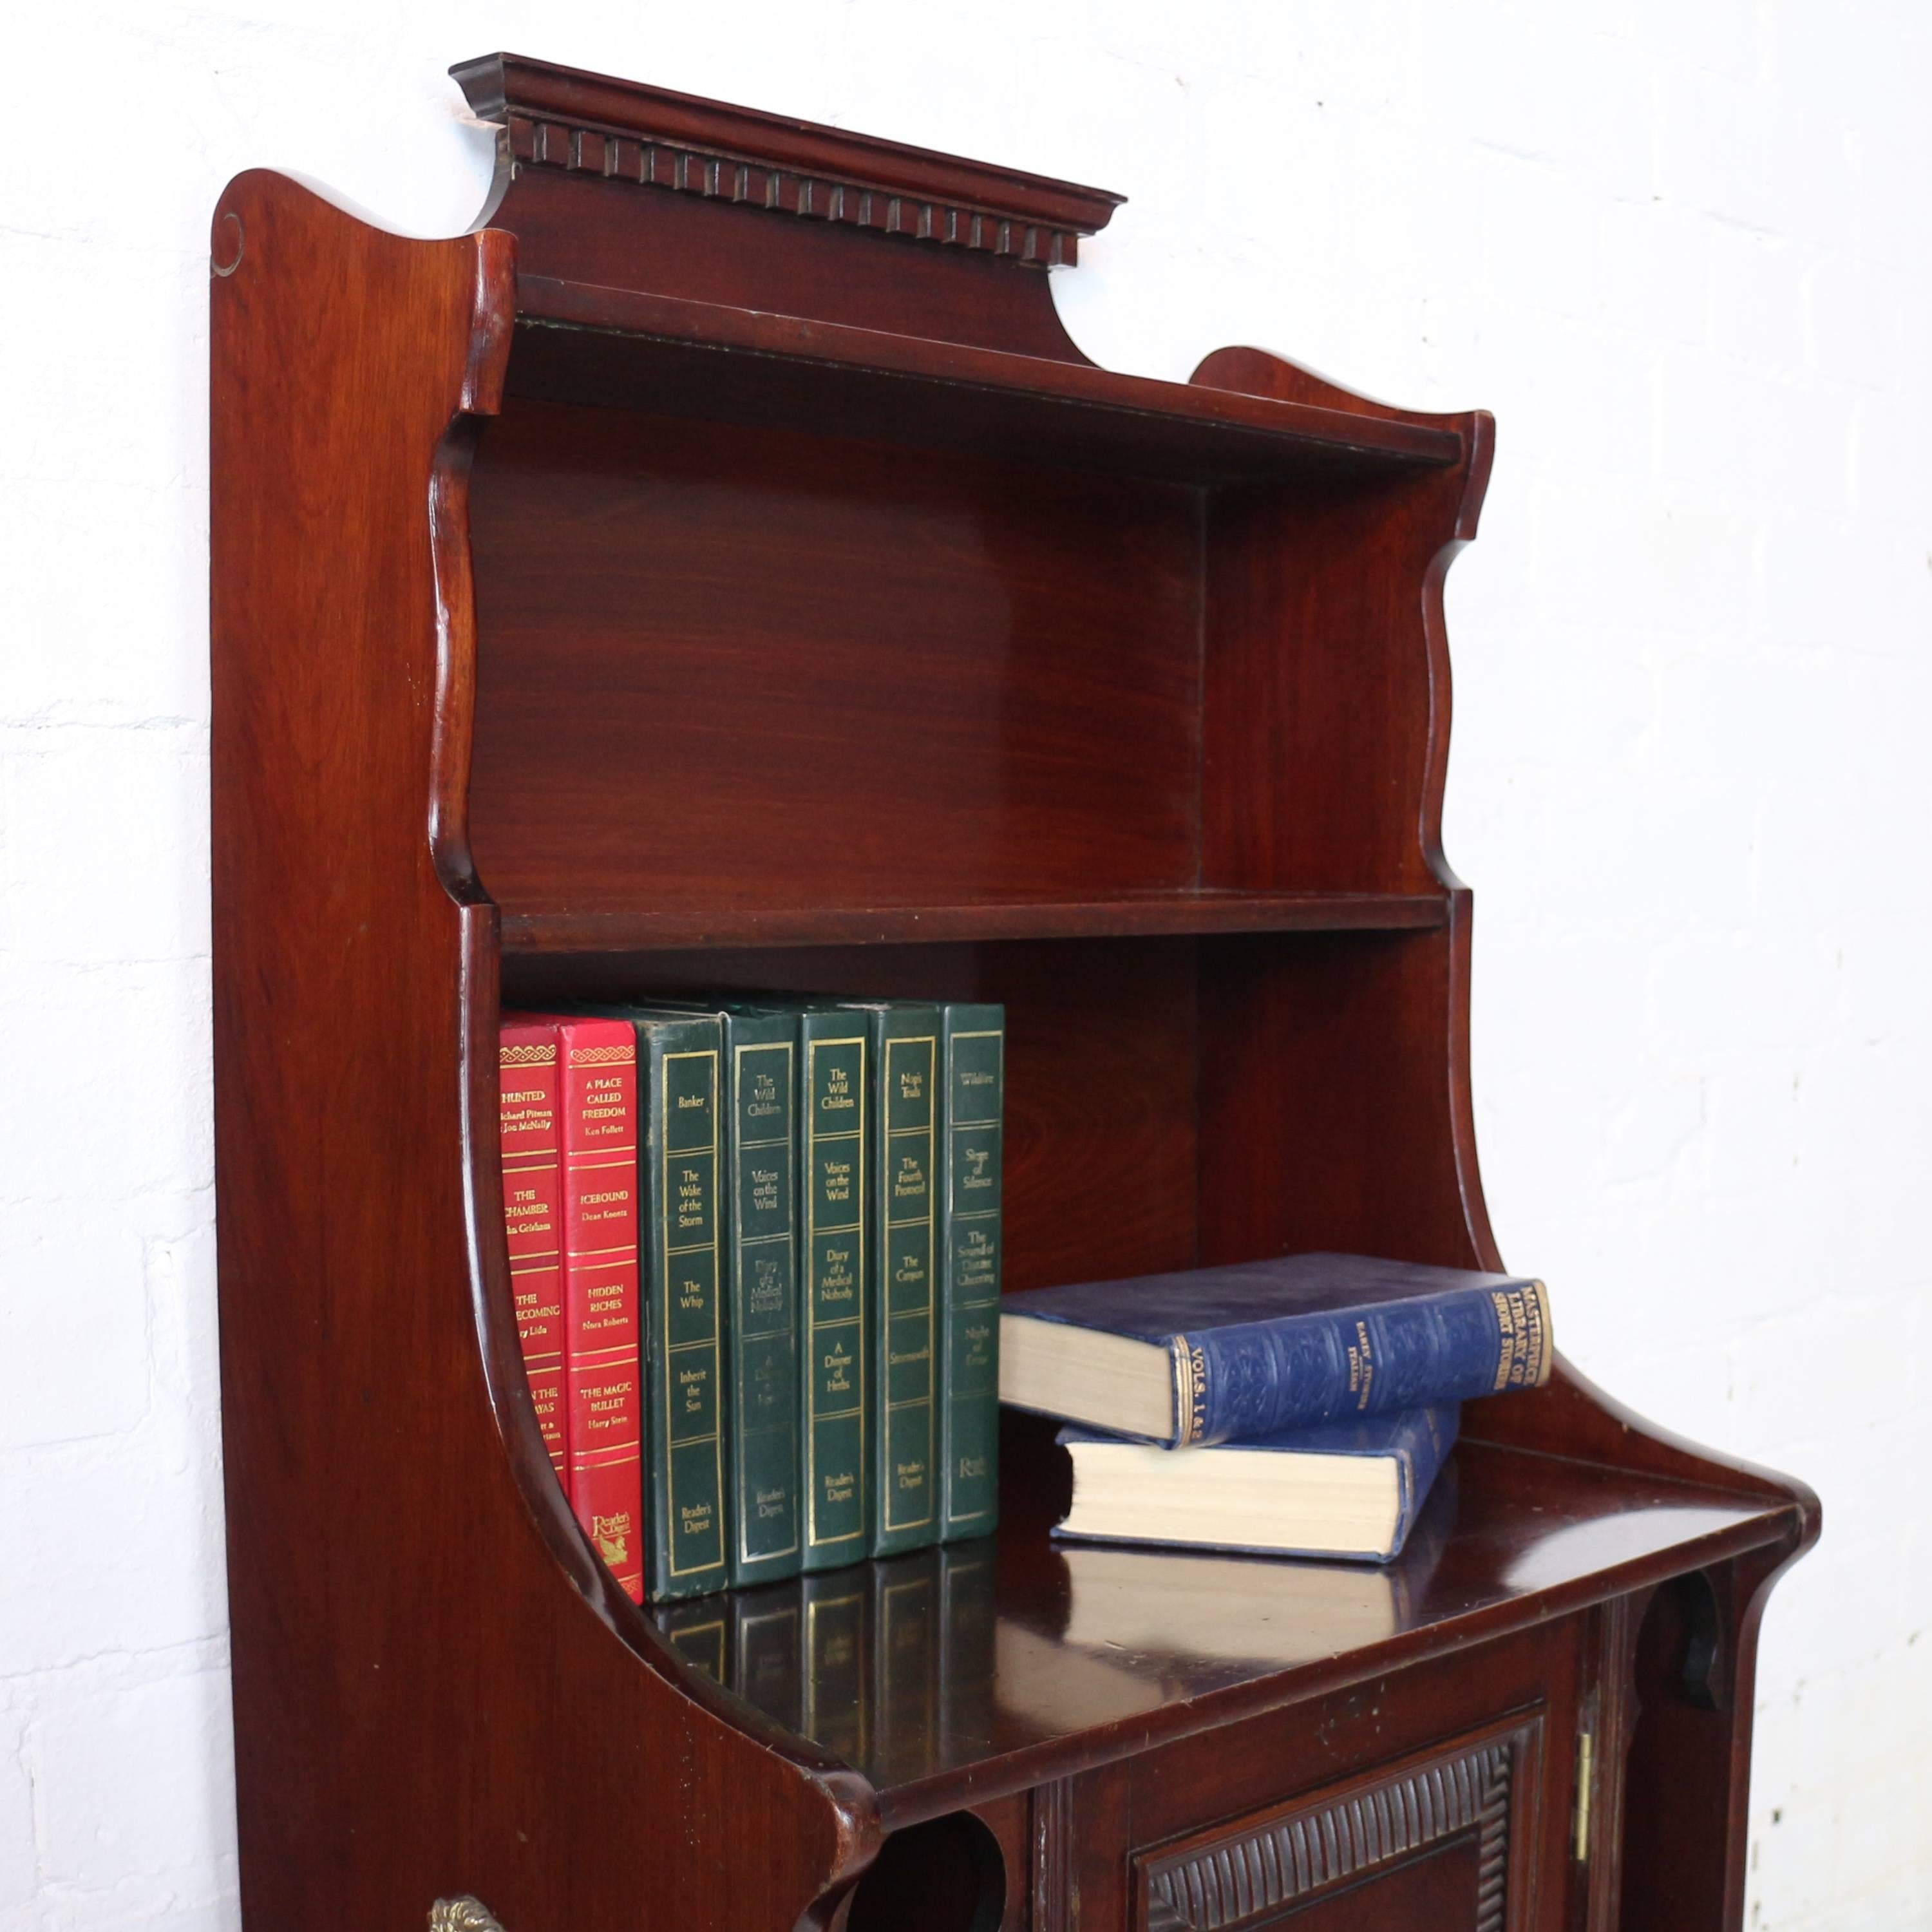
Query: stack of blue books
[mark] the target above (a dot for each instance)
(1301, 1405)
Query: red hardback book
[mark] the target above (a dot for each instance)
(603, 1392)
(528, 1090)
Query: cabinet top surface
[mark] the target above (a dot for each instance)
(1018, 1658)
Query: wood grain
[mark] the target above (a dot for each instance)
(672, 355)
(411, 1607)
(568, 932)
(1102, 1653)
(563, 117)
(1101, 1157)
(722, 665)
(1365, 1837)
(723, 570)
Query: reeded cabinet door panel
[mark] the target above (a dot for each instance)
(1432, 1891)
(1441, 1842)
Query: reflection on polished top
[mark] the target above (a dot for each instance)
(1008, 1649)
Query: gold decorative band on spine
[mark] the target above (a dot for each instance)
(604, 1056)
(526, 1056)
(1545, 1336)
(1187, 1417)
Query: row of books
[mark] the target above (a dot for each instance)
(754, 1249)
(1300, 1405)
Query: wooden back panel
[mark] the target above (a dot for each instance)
(721, 664)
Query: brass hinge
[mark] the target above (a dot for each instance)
(1586, 1753)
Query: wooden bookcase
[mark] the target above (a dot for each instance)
(720, 568)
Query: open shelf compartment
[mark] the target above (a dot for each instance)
(740, 683)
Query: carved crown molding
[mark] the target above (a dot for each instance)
(559, 117)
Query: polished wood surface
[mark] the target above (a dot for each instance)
(1473, 1770)
(1100, 1650)
(1186, 909)
(411, 1604)
(632, 570)
(630, 187)
(721, 151)
(658, 352)
(722, 570)
(1448, 1838)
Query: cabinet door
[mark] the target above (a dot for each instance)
(1439, 1842)
(1440, 1797)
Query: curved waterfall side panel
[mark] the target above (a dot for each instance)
(432, 1701)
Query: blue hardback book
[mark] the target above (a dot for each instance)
(1350, 1490)
(1215, 1354)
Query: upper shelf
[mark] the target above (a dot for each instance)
(577, 342)
(691, 258)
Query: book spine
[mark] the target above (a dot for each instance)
(831, 1187)
(690, 1536)
(1422, 1447)
(527, 1103)
(974, 1075)
(761, 1247)
(599, 1139)
(1253, 1378)
(903, 1156)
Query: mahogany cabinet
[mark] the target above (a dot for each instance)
(720, 568)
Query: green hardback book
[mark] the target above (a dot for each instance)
(758, 1207)
(973, 1060)
(680, 1068)
(902, 1154)
(834, 1276)
(761, 1205)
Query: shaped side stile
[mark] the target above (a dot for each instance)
(1570, 1415)
(438, 1693)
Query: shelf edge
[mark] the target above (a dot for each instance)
(1204, 916)
(918, 1799)
(548, 301)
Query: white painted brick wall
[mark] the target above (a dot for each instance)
(1682, 251)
